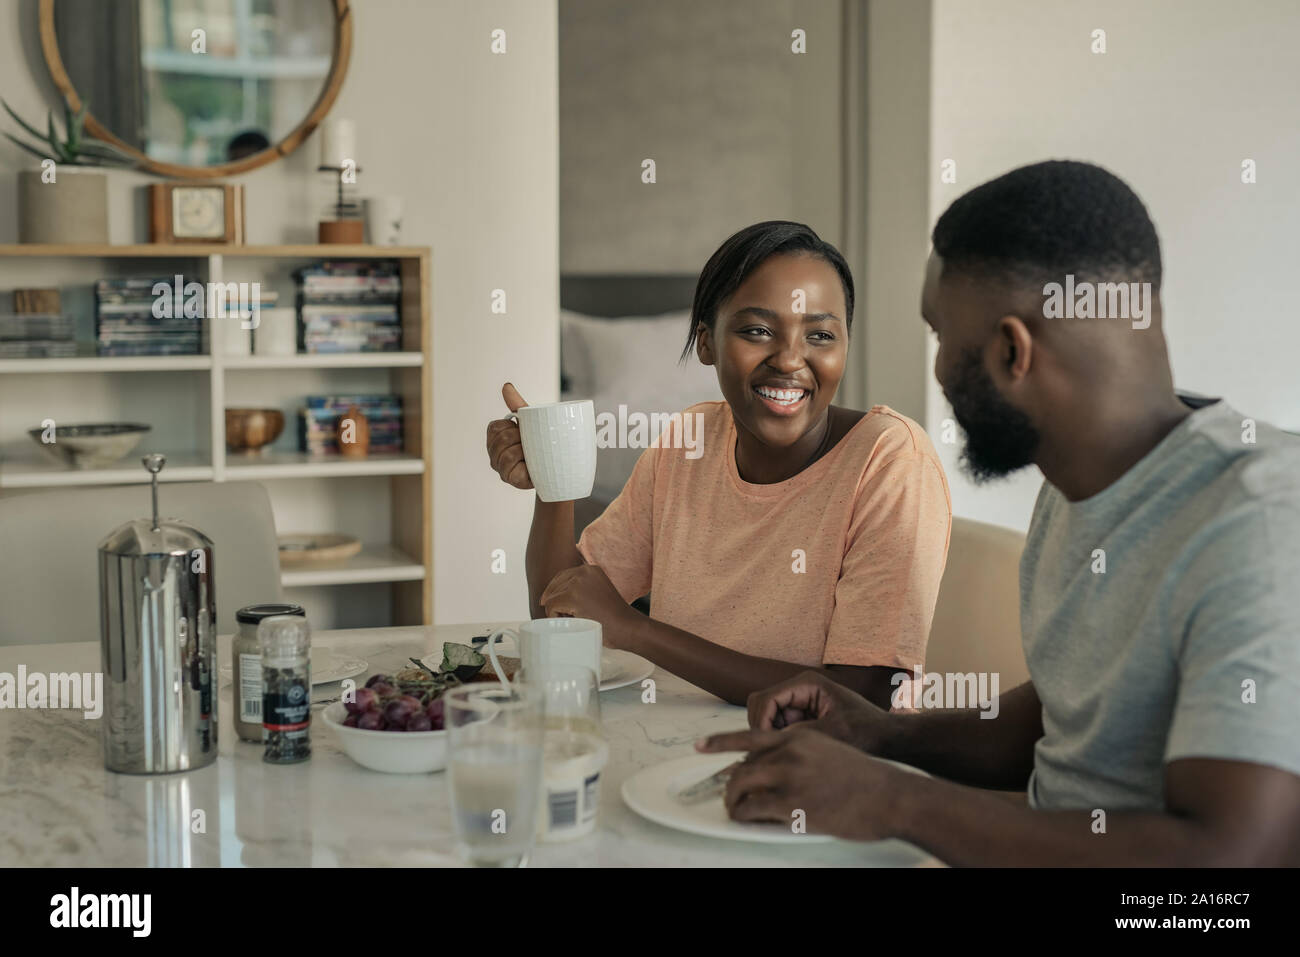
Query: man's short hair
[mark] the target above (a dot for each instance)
(1042, 221)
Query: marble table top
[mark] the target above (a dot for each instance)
(60, 807)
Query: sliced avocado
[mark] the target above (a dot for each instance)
(461, 660)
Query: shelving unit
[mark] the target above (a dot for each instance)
(184, 397)
(105, 364)
(282, 465)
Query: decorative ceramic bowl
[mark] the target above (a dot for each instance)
(307, 548)
(91, 446)
(250, 430)
(393, 752)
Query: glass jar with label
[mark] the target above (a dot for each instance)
(286, 688)
(246, 658)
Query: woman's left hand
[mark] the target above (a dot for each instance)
(585, 591)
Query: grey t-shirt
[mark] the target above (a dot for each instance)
(1188, 643)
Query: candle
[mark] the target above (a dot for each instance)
(338, 143)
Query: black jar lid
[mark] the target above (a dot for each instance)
(252, 614)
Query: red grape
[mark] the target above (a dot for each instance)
(376, 679)
(350, 721)
(399, 710)
(363, 701)
(371, 721)
(419, 722)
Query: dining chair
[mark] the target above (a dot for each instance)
(49, 572)
(977, 617)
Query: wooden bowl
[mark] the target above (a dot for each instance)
(249, 430)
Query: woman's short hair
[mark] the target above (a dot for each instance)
(744, 252)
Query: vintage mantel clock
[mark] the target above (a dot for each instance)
(196, 213)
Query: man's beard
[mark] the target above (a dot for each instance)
(999, 437)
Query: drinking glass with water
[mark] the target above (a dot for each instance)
(495, 735)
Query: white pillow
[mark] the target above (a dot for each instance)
(575, 365)
(633, 362)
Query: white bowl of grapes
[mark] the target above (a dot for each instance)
(395, 723)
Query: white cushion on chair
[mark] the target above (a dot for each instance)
(977, 618)
(49, 571)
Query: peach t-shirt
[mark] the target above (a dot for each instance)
(838, 565)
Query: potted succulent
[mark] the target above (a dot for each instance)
(65, 200)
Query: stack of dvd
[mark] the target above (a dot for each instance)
(32, 335)
(349, 307)
(131, 321)
(318, 422)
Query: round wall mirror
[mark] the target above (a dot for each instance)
(199, 88)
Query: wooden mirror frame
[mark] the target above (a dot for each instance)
(338, 70)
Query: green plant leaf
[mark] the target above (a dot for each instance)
(105, 151)
(40, 154)
(23, 123)
(53, 135)
(75, 122)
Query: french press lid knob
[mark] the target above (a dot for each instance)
(153, 463)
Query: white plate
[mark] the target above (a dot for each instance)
(325, 667)
(618, 669)
(652, 793)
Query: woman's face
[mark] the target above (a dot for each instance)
(779, 345)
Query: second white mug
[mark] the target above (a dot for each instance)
(544, 642)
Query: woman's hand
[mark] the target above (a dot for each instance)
(585, 591)
(504, 446)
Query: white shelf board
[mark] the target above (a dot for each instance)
(106, 364)
(262, 67)
(285, 465)
(45, 472)
(347, 360)
(374, 563)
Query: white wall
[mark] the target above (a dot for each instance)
(469, 140)
(1186, 90)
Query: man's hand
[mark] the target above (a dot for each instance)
(814, 699)
(840, 790)
(585, 591)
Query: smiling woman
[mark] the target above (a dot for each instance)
(798, 535)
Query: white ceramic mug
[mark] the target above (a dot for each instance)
(384, 220)
(559, 442)
(546, 641)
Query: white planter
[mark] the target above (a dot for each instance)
(72, 209)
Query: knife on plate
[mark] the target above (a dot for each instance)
(712, 786)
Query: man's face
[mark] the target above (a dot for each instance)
(1000, 438)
